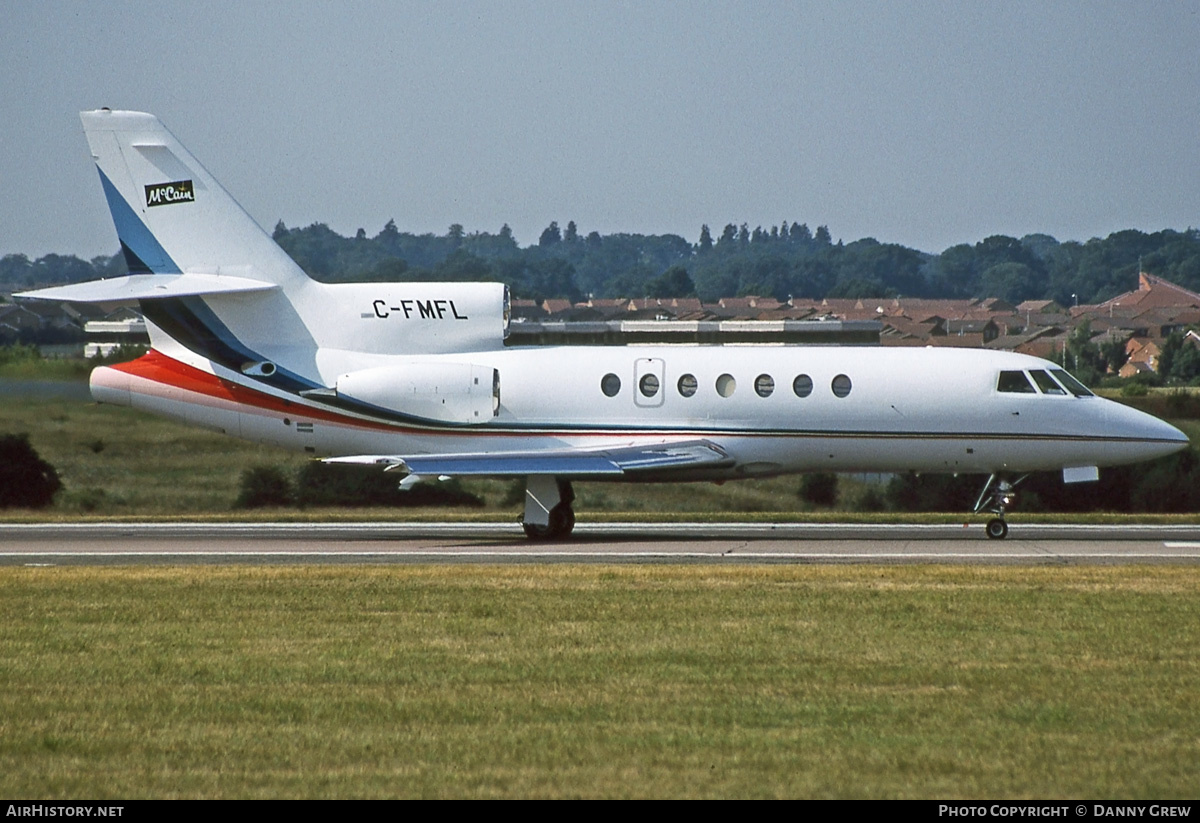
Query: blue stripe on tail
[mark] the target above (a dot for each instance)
(143, 253)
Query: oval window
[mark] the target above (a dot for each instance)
(764, 385)
(802, 385)
(649, 385)
(726, 385)
(688, 385)
(841, 385)
(610, 385)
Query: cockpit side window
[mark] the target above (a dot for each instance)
(1046, 383)
(1073, 386)
(1015, 382)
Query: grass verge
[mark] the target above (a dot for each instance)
(592, 681)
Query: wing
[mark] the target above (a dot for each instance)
(569, 462)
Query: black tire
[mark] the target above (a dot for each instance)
(535, 532)
(997, 529)
(562, 522)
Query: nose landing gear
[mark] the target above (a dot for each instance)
(997, 495)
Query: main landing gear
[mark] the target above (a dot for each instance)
(997, 495)
(548, 513)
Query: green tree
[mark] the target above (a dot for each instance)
(26, 480)
(1179, 361)
(551, 236)
(674, 282)
(1113, 353)
(1013, 282)
(1083, 357)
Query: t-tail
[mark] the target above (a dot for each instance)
(172, 216)
(219, 294)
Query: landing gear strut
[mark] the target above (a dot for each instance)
(548, 513)
(997, 495)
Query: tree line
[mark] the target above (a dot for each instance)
(782, 261)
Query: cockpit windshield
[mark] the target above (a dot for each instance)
(1046, 383)
(1015, 382)
(1062, 383)
(1074, 386)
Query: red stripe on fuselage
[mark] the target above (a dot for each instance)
(159, 368)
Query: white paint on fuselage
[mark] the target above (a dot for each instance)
(908, 409)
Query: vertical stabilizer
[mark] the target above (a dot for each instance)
(171, 215)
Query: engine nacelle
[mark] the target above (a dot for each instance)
(447, 392)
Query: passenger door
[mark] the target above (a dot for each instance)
(649, 390)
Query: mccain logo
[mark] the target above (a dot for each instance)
(164, 194)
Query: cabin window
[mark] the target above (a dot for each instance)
(648, 385)
(764, 385)
(841, 385)
(1046, 383)
(1015, 382)
(726, 385)
(688, 385)
(610, 384)
(802, 385)
(1073, 386)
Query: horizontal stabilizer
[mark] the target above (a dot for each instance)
(136, 287)
(577, 463)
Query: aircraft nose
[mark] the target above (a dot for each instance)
(1139, 436)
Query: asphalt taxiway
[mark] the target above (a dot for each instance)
(267, 543)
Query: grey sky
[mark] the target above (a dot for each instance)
(926, 124)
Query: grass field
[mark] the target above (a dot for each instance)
(584, 681)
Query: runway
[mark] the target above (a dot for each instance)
(314, 543)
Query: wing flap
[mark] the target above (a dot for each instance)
(570, 462)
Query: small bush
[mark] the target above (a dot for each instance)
(330, 484)
(1134, 389)
(263, 486)
(17, 353)
(871, 500)
(26, 480)
(514, 495)
(933, 492)
(1183, 404)
(819, 488)
(86, 500)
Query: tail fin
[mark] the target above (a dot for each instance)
(171, 215)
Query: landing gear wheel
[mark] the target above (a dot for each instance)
(997, 529)
(562, 522)
(997, 495)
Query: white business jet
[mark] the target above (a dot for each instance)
(416, 377)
